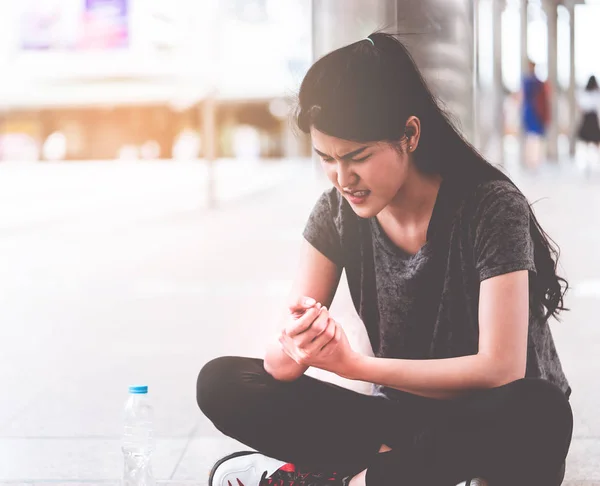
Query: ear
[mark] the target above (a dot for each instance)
(412, 131)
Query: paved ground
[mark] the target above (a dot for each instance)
(116, 274)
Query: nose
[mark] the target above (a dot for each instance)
(346, 177)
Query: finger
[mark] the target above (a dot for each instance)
(284, 345)
(329, 347)
(318, 326)
(302, 303)
(322, 339)
(300, 312)
(289, 348)
(308, 302)
(302, 323)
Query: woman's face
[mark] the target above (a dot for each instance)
(368, 175)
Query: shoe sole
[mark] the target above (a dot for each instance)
(224, 459)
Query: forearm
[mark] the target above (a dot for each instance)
(280, 366)
(434, 378)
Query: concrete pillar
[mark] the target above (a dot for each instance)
(443, 48)
(442, 44)
(209, 144)
(336, 23)
(572, 94)
(552, 132)
(524, 22)
(498, 85)
(476, 137)
(523, 34)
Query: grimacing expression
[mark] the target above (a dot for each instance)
(368, 174)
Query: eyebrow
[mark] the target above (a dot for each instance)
(347, 156)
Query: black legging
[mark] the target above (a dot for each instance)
(517, 434)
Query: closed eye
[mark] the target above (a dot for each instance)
(330, 159)
(349, 157)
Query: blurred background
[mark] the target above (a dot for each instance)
(153, 192)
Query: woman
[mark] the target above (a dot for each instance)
(589, 101)
(536, 112)
(454, 280)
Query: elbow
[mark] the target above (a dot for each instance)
(500, 373)
(274, 372)
(279, 374)
(505, 378)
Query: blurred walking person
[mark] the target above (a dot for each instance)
(536, 115)
(589, 130)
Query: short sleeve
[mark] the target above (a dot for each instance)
(321, 230)
(502, 234)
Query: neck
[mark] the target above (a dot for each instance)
(415, 200)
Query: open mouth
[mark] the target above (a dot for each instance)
(357, 197)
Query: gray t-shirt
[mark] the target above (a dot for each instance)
(425, 306)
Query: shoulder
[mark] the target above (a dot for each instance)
(331, 207)
(498, 203)
(329, 204)
(492, 200)
(490, 191)
(474, 196)
(329, 227)
(333, 198)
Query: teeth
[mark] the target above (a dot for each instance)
(360, 193)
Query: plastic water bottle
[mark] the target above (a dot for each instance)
(138, 438)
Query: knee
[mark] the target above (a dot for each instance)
(543, 406)
(537, 394)
(213, 378)
(543, 422)
(222, 381)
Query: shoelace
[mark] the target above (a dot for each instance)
(287, 475)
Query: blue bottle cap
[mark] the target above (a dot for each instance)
(138, 390)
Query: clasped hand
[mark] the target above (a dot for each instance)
(313, 338)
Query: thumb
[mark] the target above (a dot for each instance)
(308, 302)
(302, 303)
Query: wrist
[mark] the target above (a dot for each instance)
(354, 369)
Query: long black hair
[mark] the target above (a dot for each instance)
(366, 91)
(592, 84)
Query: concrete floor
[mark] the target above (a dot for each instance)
(117, 274)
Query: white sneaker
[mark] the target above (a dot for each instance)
(251, 468)
(245, 468)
